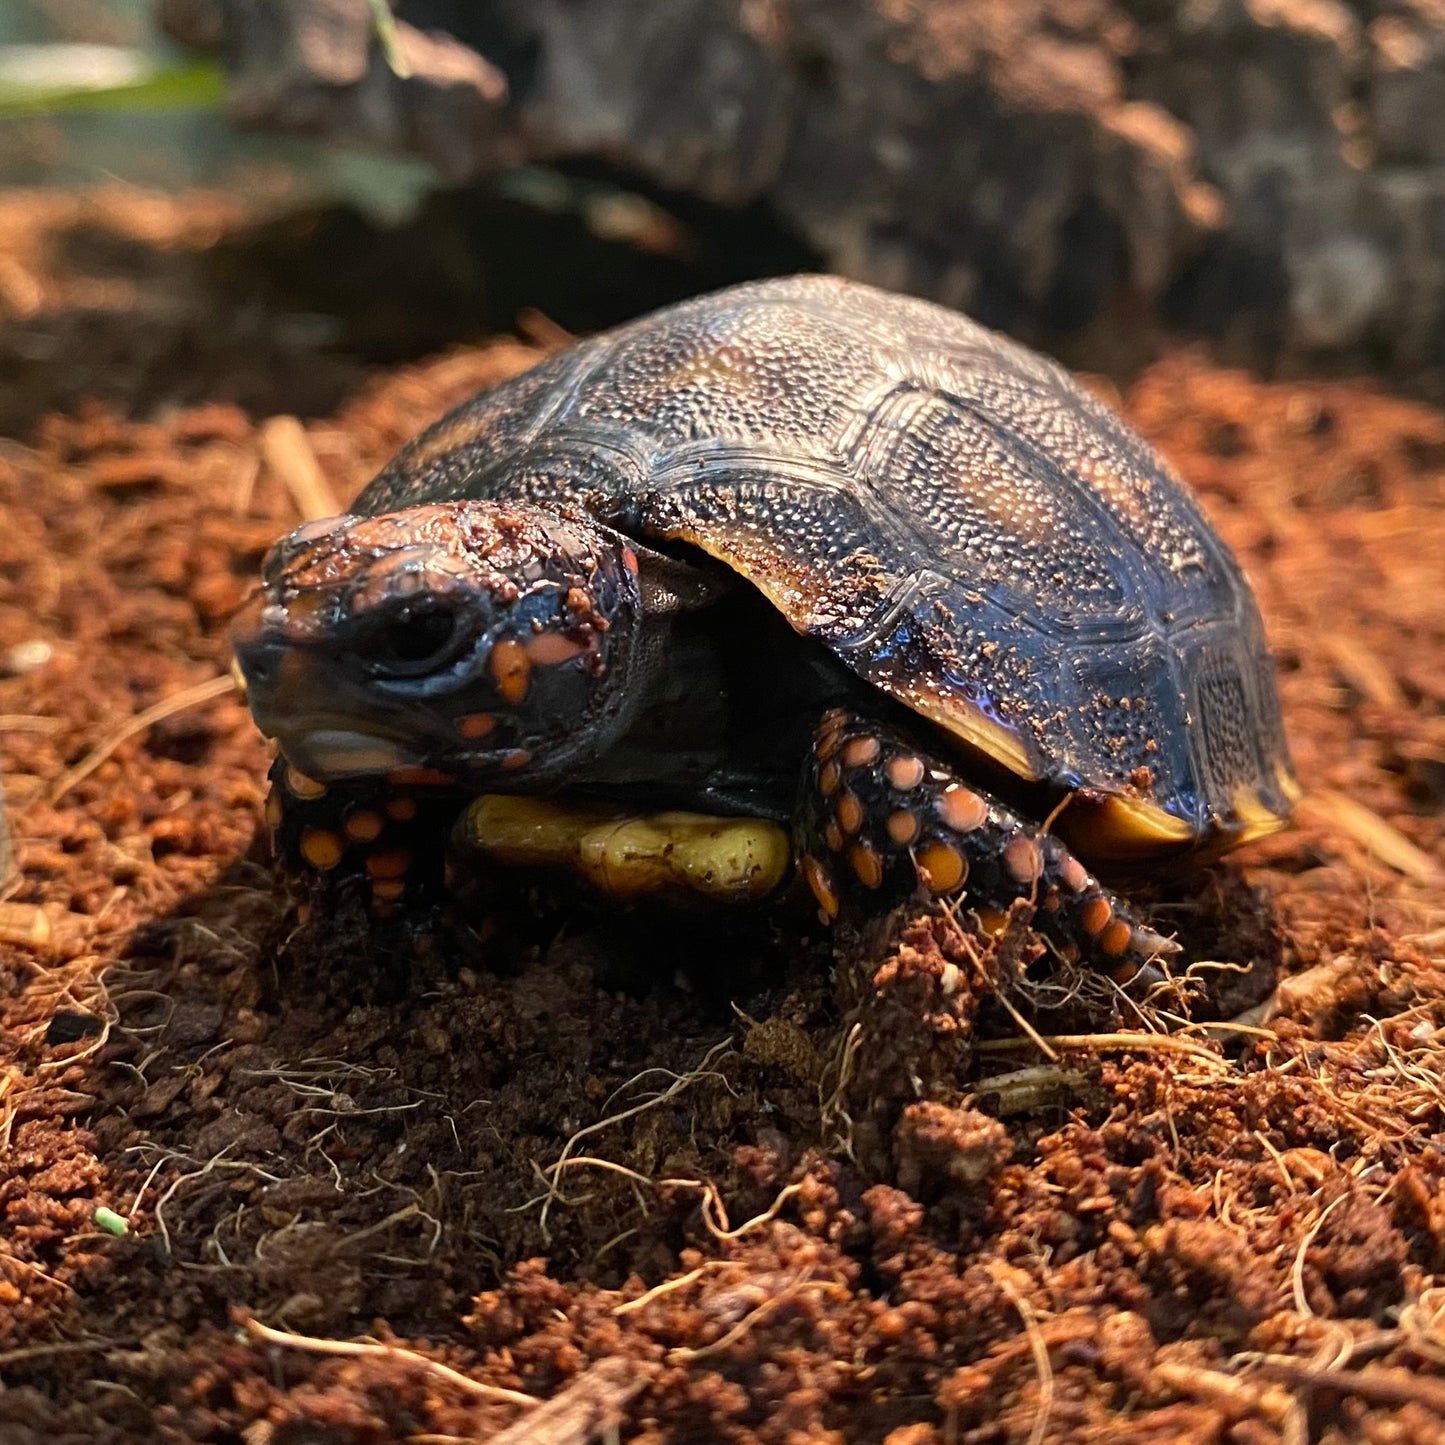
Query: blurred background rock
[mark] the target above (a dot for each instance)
(1268, 174)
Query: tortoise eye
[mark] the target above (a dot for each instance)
(413, 640)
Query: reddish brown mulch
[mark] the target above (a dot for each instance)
(851, 1207)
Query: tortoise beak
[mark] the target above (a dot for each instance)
(296, 696)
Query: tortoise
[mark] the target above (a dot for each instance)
(800, 578)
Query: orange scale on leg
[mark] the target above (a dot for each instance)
(867, 865)
(1023, 860)
(363, 827)
(415, 776)
(393, 863)
(1115, 939)
(321, 848)
(942, 866)
(302, 786)
(904, 772)
(821, 883)
(860, 752)
(961, 809)
(1095, 915)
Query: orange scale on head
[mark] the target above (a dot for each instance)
(307, 615)
(902, 827)
(401, 810)
(829, 777)
(511, 669)
(475, 726)
(549, 648)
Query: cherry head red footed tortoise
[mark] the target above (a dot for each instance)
(888, 591)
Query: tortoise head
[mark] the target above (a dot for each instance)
(477, 642)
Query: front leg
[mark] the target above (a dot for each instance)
(384, 836)
(878, 815)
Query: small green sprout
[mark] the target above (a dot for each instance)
(110, 1221)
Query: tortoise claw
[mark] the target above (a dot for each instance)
(1153, 945)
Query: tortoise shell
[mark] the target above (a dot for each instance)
(955, 518)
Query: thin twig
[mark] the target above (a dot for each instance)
(288, 453)
(1297, 1270)
(680, 1281)
(202, 692)
(789, 1291)
(1381, 1386)
(591, 1405)
(1038, 1347)
(61, 1347)
(372, 1348)
(1112, 1043)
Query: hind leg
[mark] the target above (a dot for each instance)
(878, 817)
